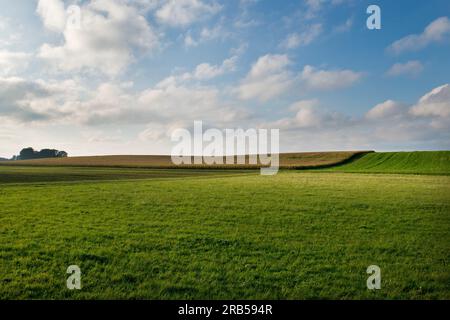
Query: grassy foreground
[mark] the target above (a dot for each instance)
(292, 236)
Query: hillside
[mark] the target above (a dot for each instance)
(420, 162)
(306, 160)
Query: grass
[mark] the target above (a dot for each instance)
(297, 235)
(26, 174)
(433, 162)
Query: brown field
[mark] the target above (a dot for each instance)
(307, 160)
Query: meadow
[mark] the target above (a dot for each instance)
(419, 162)
(220, 234)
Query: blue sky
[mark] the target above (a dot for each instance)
(133, 71)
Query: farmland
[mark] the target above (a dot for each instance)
(287, 160)
(26, 174)
(141, 233)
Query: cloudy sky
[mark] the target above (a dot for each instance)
(133, 71)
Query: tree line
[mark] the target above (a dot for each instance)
(30, 153)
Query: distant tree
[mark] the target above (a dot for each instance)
(62, 154)
(48, 153)
(30, 153)
(27, 153)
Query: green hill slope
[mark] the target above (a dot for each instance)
(422, 162)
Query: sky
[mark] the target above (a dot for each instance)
(119, 76)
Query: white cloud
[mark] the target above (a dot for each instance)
(329, 79)
(295, 40)
(53, 14)
(346, 26)
(202, 72)
(11, 32)
(434, 32)
(412, 68)
(189, 41)
(314, 7)
(154, 132)
(98, 136)
(267, 79)
(181, 13)
(198, 103)
(206, 71)
(433, 107)
(436, 103)
(307, 115)
(36, 100)
(385, 126)
(387, 109)
(12, 63)
(206, 34)
(106, 42)
(213, 33)
(145, 5)
(69, 103)
(245, 18)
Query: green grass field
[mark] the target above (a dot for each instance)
(26, 174)
(432, 162)
(183, 234)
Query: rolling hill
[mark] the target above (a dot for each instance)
(307, 160)
(420, 162)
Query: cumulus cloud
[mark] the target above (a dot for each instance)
(434, 106)
(181, 13)
(436, 103)
(427, 120)
(268, 78)
(69, 103)
(111, 34)
(309, 115)
(314, 7)
(387, 109)
(36, 100)
(385, 126)
(202, 72)
(13, 62)
(199, 102)
(412, 68)
(154, 132)
(206, 34)
(329, 79)
(62, 102)
(189, 41)
(344, 27)
(53, 14)
(436, 31)
(206, 71)
(295, 40)
(145, 5)
(11, 32)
